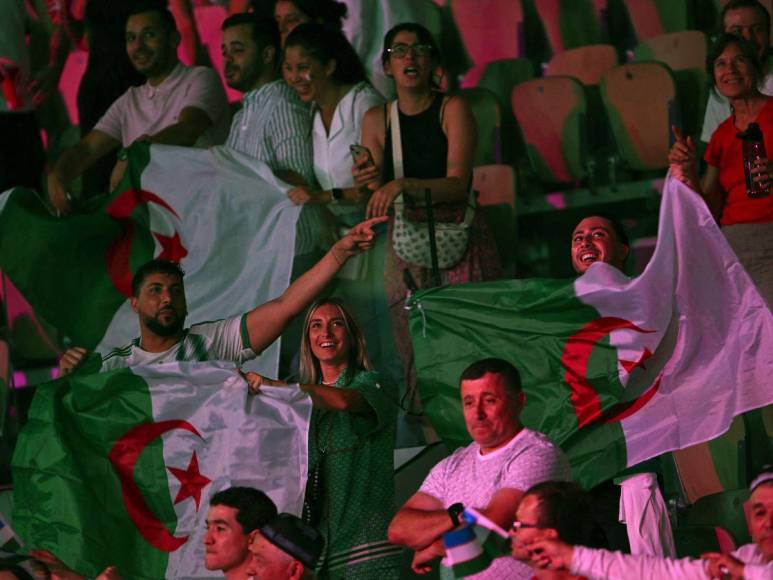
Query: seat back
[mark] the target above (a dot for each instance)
(724, 509)
(655, 17)
(569, 23)
(491, 30)
(495, 185)
(488, 119)
(681, 50)
(587, 63)
(691, 541)
(640, 101)
(551, 114)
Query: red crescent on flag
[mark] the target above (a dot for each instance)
(585, 399)
(124, 456)
(118, 254)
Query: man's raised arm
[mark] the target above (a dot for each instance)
(266, 322)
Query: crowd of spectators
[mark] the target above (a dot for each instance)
(310, 113)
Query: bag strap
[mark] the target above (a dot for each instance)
(397, 146)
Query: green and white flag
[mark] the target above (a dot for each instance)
(117, 468)
(222, 214)
(615, 370)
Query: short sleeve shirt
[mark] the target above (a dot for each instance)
(725, 152)
(146, 110)
(223, 340)
(473, 479)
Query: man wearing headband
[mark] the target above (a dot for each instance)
(750, 562)
(286, 548)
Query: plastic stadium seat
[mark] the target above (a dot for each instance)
(551, 113)
(587, 63)
(655, 17)
(569, 23)
(725, 510)
(491, 30)
(488, 118)
(640, 99)
(692, 541)
(501, 76)
(495, 185)
(679, 50)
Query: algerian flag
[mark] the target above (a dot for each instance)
(474, 546)
(222, 214)
(615, 371)
(117, 468)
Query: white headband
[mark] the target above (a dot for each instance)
(760, 479)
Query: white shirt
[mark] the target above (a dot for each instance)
(472, 479)
(225, 340)
(718, 109)
(14, 56)
(598, 564)
(146, 110)
(332, 159)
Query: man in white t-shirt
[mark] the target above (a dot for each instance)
(491, 474)
(749, 19)
(178, 105)
(158, 298)
(751, 561)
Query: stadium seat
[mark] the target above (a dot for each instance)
(655, 17)
(551, 113)
(587, 63)
(495, 185)
(488, 118)
(725, 510)
(569, 24)
(691, 541)
(640, 100)
(491, 30)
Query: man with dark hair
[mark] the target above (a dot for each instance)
(750, 562)
(750, 20)
(599, 238)
(161, 307)
(273, 126)
(286, 548)
(490, 474)
(178, 105)
(234, 516)
(553, 510)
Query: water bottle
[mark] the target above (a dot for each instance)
(753, 149)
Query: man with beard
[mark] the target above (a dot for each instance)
(158, 298)
(178, 105)
(273, 125)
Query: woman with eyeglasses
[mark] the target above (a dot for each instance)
(350, 491)
(437, 137)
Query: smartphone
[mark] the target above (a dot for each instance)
(358, 151)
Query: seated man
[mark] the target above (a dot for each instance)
(551, 510)
(273, 125)
(159, 301)
(286, 548)
(234, 515)
(598, 239)
(750, 562)
(177, 105)
(491, 474)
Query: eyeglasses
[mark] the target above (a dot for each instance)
(521, 526)
(401, 50)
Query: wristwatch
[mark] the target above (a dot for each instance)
(454, 512)
(337, 193)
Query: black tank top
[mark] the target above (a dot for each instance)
(425, 146)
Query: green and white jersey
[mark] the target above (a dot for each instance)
(225, 340)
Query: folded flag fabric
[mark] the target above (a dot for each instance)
(221, 214)
(472, 547)
(615, 370)
(117, 468)
(9, 541)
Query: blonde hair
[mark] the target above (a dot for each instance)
(310, 372)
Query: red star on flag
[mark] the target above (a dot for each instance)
(191, 481)
(171, 247)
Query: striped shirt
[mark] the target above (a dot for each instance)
(225, 340)
(274, 126)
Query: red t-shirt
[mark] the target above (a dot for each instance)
(726, 154)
